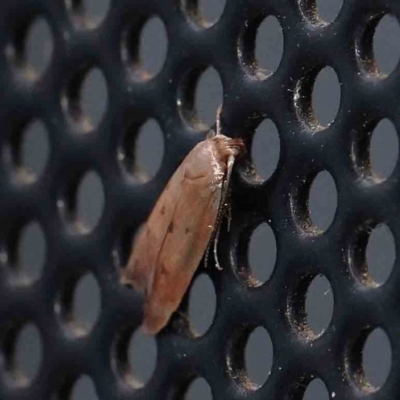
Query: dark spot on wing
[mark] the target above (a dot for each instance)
(187, 230)
(163, 270)
(171, 227)
(162, 210)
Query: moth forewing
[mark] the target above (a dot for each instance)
(183, 224)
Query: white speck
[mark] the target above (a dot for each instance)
(3, 257)
(179, 102)
(60, 204)
(333, 394)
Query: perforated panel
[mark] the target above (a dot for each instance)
(313, 189)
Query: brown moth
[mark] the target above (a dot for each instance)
(181, 228)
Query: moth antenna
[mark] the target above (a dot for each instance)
(217, 264)
(206, 255)
(218, 121)
(229, 216)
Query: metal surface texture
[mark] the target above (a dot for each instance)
(104, 145)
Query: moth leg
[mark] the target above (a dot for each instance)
(228, 215)
(222, 209)
(217, 264)
(206, 255)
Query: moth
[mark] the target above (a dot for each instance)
(182, 227)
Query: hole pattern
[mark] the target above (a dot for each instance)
(208, 96)
(328, 10)
(31, 252)
(319, 304)
(315, 175)
(86, 302)
(34, 51)
(84, 389)
(326, 84)
(142, 356)
(202, 304)
(265, 149)
(387, 54)
(384, 149)
(317, 390)
(199, 389)
(26, 360)
(262, 252)
(90, 199)
(269, 44)
(377, 351)
(323, 200)
(204, 12)
(258, 356)
(144, 50)
(86, 100)
(87, 14)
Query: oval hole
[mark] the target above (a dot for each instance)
(269, 44)
(142, 356)
(96, 10)
(38, 46)
(258, 356)
(149, 151)
(93, 98)
(316, 390)
(319, 304)
(91, 201)
(202, 304)
(384, 149)
(92, 11)
(262, 252)
(377, 358)
(328, 10)
(204, 12)
(28, 353)
(380, 253)
(153, 47)
(265, 149)
(34, 151)
(323, 200)
(211, 10)
(32, 251)
(325, 107)
(199, 389)
(86, 304)
(208, 96)
(84, 389)
(386, 44)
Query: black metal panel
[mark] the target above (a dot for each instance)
(250, 95)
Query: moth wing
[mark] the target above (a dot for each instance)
(187, 237)
(142, 262)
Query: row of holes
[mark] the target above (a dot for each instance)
(29, 253)
(153, 46)
(32, 151)
(380, 250)
(142, 356)
(206, 12)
